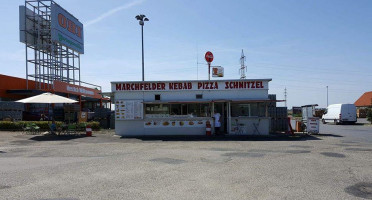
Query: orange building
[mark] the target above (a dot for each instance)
(362, 103)
(14, 88)
(365, 100)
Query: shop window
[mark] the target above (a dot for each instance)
(176, 109)
(248, 110)
(205, 110)
(157, 97)
(185, 110)
(193, 109)
(240, 110)
(157, 109)
(199, 96)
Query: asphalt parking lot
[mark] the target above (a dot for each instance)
(337, 164)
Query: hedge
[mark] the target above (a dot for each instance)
(44, 125)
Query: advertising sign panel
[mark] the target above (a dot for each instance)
(312, 125)
(174, 123)
(64, 87)
(66, 29)
(128, 109)
(209, 57)
(259, 84)
(217, 71)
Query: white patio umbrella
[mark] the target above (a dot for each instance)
(47, 98)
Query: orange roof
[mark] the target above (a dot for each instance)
(364, 100)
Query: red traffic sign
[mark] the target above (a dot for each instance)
(209, 56)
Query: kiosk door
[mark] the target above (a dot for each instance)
(221, 107)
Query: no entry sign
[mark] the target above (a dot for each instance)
(209, 56)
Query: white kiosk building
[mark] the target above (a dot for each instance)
(185, 107)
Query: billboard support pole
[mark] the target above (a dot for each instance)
(79, 69)
(25, 35)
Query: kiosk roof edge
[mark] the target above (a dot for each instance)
(167, 81)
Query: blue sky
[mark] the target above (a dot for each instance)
(302, 45)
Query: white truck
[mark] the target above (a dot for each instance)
(340, 114)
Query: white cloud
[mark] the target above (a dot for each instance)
(113, 11)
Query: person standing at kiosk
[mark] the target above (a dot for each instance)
(217, 122)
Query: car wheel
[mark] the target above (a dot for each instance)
(323, 121)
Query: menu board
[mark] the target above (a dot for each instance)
(174, 123)
(128, 109)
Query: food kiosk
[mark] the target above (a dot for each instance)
(186, 107)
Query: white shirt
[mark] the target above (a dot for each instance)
(217, 122)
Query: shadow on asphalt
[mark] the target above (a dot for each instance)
(328, 135)
(356, 124)
(275, 137)
(359, 124)
(41, 138)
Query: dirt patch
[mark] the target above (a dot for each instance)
(349, 142)
(244, 155)
(335, 155)
(169, 161)
(297, 151)
(261, 151)
(216, 161)
(301, 146)
(221, 149)
(61, 199)
(4, 187)
(362, 190)
(357, 149)
(347, 145)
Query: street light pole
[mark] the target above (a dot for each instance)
(142, 19)
(143, 58)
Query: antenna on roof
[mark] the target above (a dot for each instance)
(285, 96)
(243, 68)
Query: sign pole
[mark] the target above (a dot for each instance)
(209, 58)
(209, 71)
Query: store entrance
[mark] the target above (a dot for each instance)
(221, 107)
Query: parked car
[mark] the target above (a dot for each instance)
(340, 114)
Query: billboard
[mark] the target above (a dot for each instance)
(66, 29)
(217, 71)
(27, 29)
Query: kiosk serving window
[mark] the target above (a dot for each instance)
(181, 110)
(248, 109)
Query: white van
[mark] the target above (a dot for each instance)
(340, 113)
